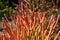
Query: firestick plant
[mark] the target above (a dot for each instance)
(26, 24)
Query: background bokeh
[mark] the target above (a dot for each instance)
(6, 6)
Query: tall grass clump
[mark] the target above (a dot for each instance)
(28, 24)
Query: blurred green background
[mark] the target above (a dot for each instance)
(7, 8)
(4, 8)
